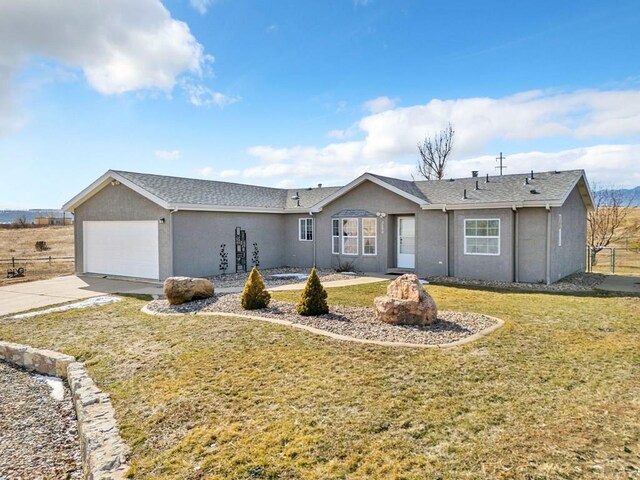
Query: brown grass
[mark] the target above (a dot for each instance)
(553, 394)
(20, 244)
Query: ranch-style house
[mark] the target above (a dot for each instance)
(524, 227)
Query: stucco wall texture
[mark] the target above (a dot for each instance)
(190, 241)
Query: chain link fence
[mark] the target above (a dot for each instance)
(620, 260)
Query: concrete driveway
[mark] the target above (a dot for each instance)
(43, 293)
(620, 283)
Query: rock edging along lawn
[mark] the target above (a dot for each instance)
(103, 451)
(498, 323)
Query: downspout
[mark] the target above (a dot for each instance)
(548, 269)
(446, 240)
(516, 252)
(313, 233)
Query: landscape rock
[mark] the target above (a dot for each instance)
(406, 303)
(179, 290)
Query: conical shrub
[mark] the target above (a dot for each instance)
(313, 300)
(255, 294)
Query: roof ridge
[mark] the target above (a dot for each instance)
(221, 181)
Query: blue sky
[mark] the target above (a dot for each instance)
(292, 93)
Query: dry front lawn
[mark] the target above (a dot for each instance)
(20, 243)
(553, 394)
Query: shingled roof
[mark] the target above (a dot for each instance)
(546, 188)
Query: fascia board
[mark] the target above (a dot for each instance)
(224, 208)
(491, 205)
(103, 182)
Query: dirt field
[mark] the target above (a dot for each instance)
(19, 243)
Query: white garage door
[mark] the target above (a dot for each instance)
(128, 249)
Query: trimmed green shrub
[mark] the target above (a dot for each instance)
(313, 300)
(255, 294)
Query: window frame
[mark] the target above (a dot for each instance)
(356, 236)
(466, 237)
(335, 251)
(374, 236)
(305, 231)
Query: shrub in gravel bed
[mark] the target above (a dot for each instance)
(255, 294)
(313, 300)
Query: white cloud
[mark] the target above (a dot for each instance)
(200, 5)
(202, 96)
(167, 154)
(271, 28)
(210, 172)
(119, 45)
(379, 104)
(390, 138)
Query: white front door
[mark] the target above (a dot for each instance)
(406, 242)
(128, 249)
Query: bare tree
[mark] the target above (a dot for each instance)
(606, 222)
(434, 153)
(20, 222)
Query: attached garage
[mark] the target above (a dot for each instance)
(122, 248)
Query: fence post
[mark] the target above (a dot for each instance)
(613, 260)
(49, 258)
(13, 262)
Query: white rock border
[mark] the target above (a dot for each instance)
(499, 323)
(103, 452)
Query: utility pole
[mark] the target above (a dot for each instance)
(501, 167)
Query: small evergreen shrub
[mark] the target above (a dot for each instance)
(313, 300)
(255, 294)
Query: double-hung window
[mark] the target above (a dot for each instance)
(369, 238)
(305, 229)
(335, 236)
(482, 236)
(350, 236)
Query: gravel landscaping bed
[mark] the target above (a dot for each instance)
(577, 282)
(38, 435)
(358, 322)
(237, 280)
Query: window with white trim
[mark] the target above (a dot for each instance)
(335, 236)
(369, 237)
(482, 236)
(350, 236)
(305, 229)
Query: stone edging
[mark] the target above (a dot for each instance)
(103, 452)
(336, 336)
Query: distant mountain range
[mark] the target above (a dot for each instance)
(630, 195)
(8, 216)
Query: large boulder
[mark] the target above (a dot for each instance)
(179, 290)
(406, 303)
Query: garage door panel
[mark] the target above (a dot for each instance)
(127, 249)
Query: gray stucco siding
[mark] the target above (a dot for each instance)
(532, 245)
(198, 236)
(569, 256)
(296, 253)
(120, 203)
(373, 198)
(485, 267)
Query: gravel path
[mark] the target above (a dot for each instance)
(358, 322)
(577, 282)
(237, 280)
(38, 436)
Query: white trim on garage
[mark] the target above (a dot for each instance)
(122, 248)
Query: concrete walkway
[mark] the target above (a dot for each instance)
(620, 283)
(335, 283)
(43, 293)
